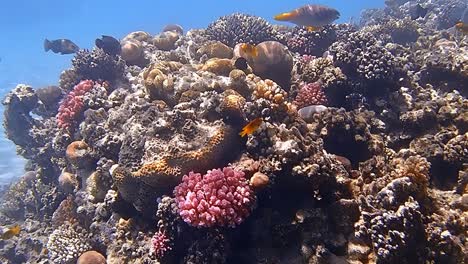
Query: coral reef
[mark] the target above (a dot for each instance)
(240, 28)
(98, 65)
(310, 94)
(219, 198)
(357, 152)
(66, 244)
(311, 42)
(72, 106)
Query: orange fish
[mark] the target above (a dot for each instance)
(251, 127)
(462, 27)
(249, 49)
(10, 232)
(313, 17)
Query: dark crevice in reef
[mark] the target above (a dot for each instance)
(444, 175)
(341, 142)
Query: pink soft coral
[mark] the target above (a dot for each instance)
(72, 106)
(160, 244)
(310, 94)
(218, 198)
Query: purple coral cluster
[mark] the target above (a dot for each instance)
(310, 94)
(218, 198)
(160, 242)
(72, 105)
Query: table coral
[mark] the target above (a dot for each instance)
(240, 28)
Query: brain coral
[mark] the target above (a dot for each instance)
(218, 198)
(240, 28)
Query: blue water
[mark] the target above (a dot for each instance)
(24, 25)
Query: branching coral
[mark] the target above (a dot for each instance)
(67, 243)
(240, 28)
(72, 106)
(362, 54)
(98, 65)
(310, 94)
(315, 43)
(160, 244)
(218, 198)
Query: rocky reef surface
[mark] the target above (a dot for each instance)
(361, 155)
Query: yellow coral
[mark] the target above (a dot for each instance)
(232, 103)
(158, 173)
(218, 66)
(158, 83)
(166, 171)
(269, 90)
(414, 167)
(216, 50)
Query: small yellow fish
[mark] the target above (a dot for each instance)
(249, 49)
(11, 232)
(462, 27)
(251, 127)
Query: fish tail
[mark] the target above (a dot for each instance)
(47, 44)
(312, 28)
(243, 133)
(284, 16)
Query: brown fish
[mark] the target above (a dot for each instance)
(311, 16)
(62, 46)
(251, 127)
(109, 45)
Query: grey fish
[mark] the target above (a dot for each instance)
(310, 16)
(418, 11)
(62, 46)
(109, 44)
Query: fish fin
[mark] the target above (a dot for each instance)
(16, 229)
(243, 133)
(255, 52)
(284, 16)
(47, 44)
